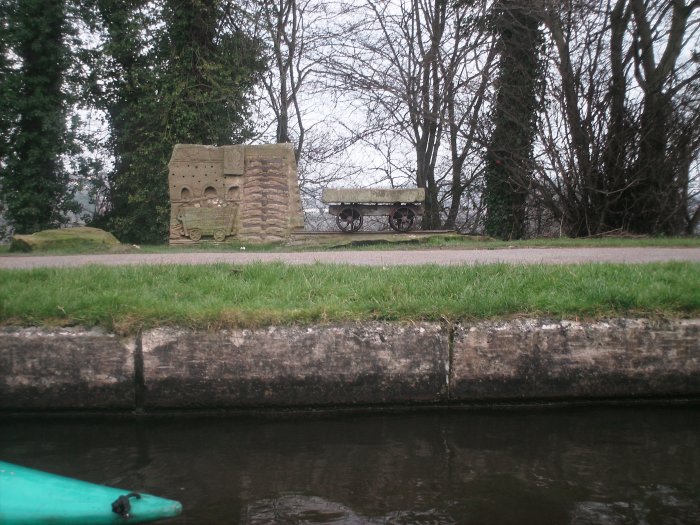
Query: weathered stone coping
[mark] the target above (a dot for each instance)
(349, 365)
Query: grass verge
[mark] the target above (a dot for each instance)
(126, 299)
(567, 242)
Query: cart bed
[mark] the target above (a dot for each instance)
(372, 196)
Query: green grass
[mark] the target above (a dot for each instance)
(127, 299)
(464, 242)
(567, 242)
(447, 241)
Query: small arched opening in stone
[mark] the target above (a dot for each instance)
(233, 193)
(210, 192)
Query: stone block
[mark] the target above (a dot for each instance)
(371, 363)
(45, 369)
(234, 159)
(372, 195)
(536, 359)
(78, 237)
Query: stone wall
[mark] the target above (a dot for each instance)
(246, 193)
(527, 359)
(349, 365)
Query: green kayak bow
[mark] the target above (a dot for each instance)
(30, 496)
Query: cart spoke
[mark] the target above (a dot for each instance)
(349, 219)
(402, 218)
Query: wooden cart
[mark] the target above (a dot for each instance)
(350, 205)
(217, 222)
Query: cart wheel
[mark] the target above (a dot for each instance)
(402, 218)
(349, 219)
(195, 234)
(219, 235)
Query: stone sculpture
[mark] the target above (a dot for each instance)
(243, 193)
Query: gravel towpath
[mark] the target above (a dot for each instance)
(373, 258)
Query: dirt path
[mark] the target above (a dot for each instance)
(374, 258)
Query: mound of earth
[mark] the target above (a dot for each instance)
(81, 238)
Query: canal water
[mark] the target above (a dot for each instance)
(615, 465)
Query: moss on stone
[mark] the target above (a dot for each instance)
(78, 238)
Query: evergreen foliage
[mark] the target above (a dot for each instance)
(5, 91)
(33, 114)
(185, 80)
(211, 70)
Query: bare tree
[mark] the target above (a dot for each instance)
(410, 85)
(658, 40)
(409, 62)
(287, 27)
(621, 130)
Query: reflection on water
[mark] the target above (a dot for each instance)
(569, 466)
(299, 509)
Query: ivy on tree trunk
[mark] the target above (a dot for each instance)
(34, 181)
(509, 155)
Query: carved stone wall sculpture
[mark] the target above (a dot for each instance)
(246, 193)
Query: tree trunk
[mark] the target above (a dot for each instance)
(509, 156)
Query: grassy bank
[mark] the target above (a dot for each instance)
(129, 298)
